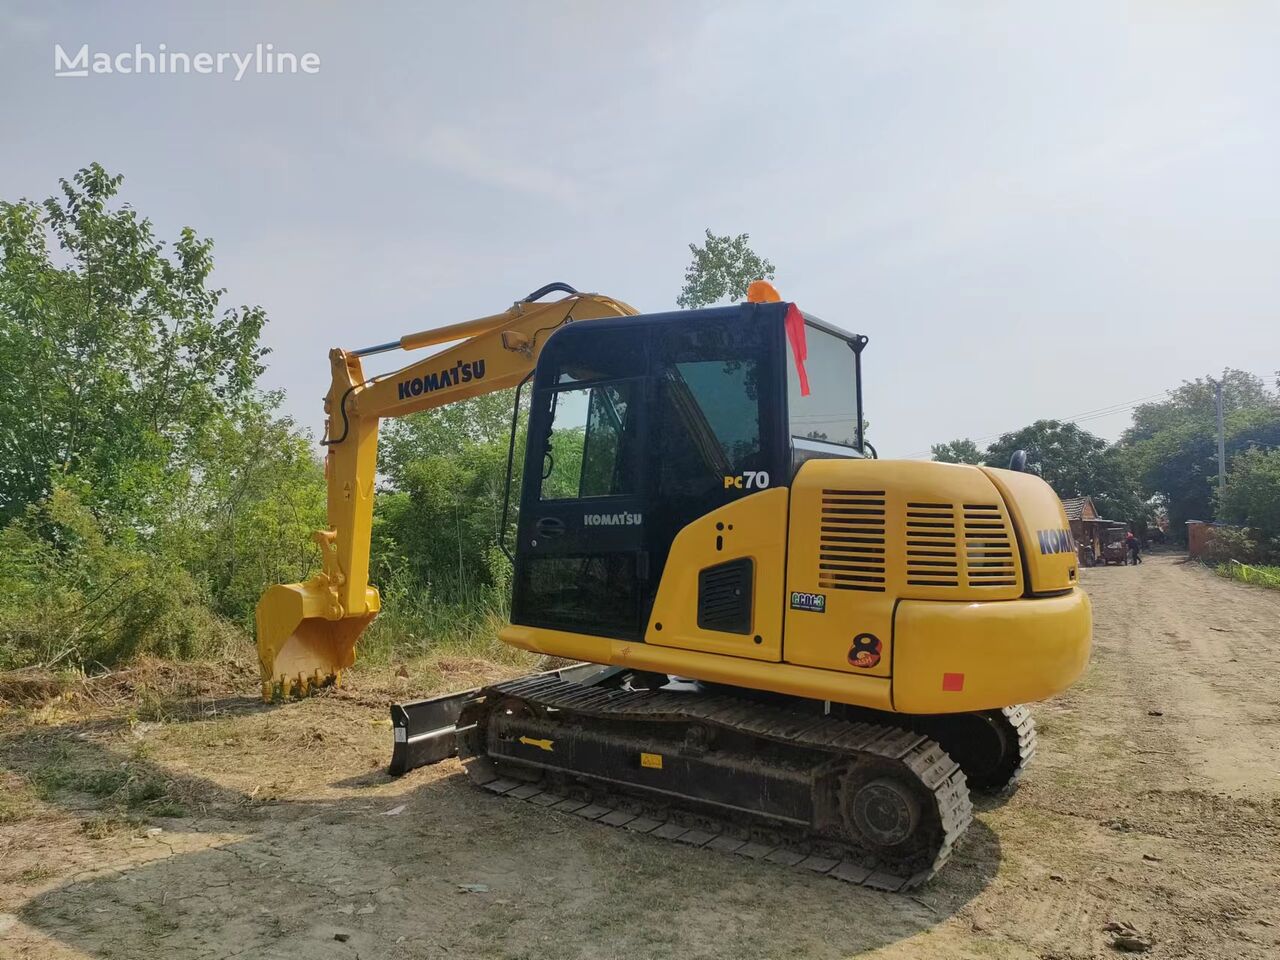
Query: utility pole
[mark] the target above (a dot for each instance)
(1222, 446)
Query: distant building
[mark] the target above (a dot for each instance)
(1086, 527)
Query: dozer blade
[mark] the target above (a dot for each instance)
(426, 731)
(301, 647)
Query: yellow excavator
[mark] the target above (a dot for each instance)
(785, 647)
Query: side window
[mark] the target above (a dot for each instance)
(591, 445)
(714, 400)
(710, 424)
(715, 422)
(829, 412)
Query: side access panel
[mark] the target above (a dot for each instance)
(866, 534)
(723, 581)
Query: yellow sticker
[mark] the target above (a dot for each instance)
(543, 744)
(653, 760)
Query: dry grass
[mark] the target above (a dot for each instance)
(149, 678)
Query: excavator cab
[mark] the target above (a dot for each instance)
(638, 426)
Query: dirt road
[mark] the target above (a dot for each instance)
(208, 827)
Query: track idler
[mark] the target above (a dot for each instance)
(993, 747)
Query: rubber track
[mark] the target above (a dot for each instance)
(922, 756)
(1020, 719)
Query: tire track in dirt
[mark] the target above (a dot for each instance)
(1204, 653)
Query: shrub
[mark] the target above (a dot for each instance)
(1230, 543)
(69, 594)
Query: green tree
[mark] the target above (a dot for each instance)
(248, 522)
(1172, 445)
(957, 451)
(148, 492)
(1075, 463)
(1252, 496)
(721, 270)
(439, 513)
(118, 362)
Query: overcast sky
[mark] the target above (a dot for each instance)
(1032, 210)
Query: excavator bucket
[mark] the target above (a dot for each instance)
(302, 645)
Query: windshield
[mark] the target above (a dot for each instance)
(830, 412)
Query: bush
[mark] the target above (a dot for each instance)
(417, 620)
(68, 594)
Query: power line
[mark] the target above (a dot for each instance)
(1088, 415)
(1079, 418)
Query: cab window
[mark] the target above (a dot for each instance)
(711, 407)
(829, 414)
(590, 442)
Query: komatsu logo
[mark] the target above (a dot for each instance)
(612, 519)
(1056, 541)
(461, 372)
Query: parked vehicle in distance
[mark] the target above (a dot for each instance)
(1114, 549)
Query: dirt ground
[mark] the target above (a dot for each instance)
(193, 822)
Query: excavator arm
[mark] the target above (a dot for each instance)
(307, 632)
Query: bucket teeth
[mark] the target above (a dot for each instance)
(295, 688)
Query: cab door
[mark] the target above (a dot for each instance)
(581, 562)
(718, 504)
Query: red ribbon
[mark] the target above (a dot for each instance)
(799, 348)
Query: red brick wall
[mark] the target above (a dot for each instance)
(1198, 534)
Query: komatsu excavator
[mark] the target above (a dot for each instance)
(787, 648)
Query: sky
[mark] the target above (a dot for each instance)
(1032, 210)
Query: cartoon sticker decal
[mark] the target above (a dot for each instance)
(865, 652)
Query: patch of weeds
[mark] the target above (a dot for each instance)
(157, 923)
(154, 706)
(129, 787)
(54, 771)
(17, 801)
(97, 783)
(99, 828)
(34, 875)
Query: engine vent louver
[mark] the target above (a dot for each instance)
(988, 549)
(724, 596)
(931, 545)
(851, 542)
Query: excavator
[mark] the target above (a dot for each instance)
(774, 644)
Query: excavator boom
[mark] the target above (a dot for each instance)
(307, 632)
